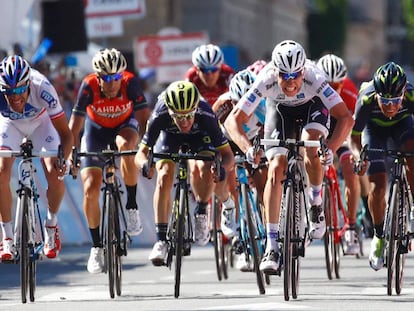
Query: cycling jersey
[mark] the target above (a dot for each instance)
(349, 94)
(222, 85)
(35, 122)
(205, 130)
(109, 112)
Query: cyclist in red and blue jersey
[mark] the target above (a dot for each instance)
(209, 73)
(335, 71)
(112, 110)
(30, 108)
(181, 117)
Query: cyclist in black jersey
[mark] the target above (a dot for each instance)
(181, 117)
(384, 114)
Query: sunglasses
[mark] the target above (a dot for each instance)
(183, 116)
(290, 75)
(210, 69)
(113, 77)
(390, 101)
(16, 91)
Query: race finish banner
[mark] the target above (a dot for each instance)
(169, 55)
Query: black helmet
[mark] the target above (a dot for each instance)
(390, 80)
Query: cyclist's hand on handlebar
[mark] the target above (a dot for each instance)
(218, 175)
(327, 156)
(253, 157)
(147, 170)
(62, 167)
(360, 167)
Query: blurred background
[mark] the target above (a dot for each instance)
(59, 37)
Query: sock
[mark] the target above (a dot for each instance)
(315, 195)
(131, 194)
(161, 231)
(51, 219)
(379, 230)
(7, 230)
(201, 208)
(96, 237)
(272, 235)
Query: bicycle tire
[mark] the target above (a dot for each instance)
(287, 234)
(118, 250)
(390, 236)
(179, 243)
(252, 237)
(24, 258)
(329, 238)
(109, 245)
(217, 237)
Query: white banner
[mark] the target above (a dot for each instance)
(109, 26)
(96, 8)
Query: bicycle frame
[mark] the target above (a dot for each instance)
(179, 231)
(252, 231)
(28, 234)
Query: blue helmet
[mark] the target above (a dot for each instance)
(14, 72)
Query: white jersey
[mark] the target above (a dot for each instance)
(314, 84)
(35, 122)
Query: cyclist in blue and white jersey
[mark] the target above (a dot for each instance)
(181, 117)
(295, 89)
(30, 108)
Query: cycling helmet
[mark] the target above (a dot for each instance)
(390, 80)
(182, 96)
(241, 83)
(333, 67)
(257, 66)
(109, 61)
(14, 72)
(289, 56)
(207, 56)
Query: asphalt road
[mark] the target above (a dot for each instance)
(64, 284)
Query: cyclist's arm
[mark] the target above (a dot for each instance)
(142, 116)
(344, 124)
(227, 157)
(66, 137)
(76, 125)
(234, 126)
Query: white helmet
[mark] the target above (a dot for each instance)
(109, 61)
(241, 83)
(289, 56)
(207, 56)
(333, 67)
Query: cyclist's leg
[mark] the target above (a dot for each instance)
(127, 139)
(10, 141)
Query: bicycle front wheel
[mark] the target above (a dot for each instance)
(24, 255)
(219, 251)
(329, 238)
(288, 206)
(179, 242)
(109, 241)
(390, 235)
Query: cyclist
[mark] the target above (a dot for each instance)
(30, 108)
(209, 73)
(336, 74)
(112, 109)
(239, 85)
(384, 115)
(181, 117)
(295, 89)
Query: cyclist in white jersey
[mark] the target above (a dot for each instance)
(294, 89)
(30, 108)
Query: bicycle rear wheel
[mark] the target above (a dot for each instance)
(288, 206)
(119, 251)
(24, 255)
(179, 242)
(252, 235)
(329, 237)
(109, 242)
(390, 235)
